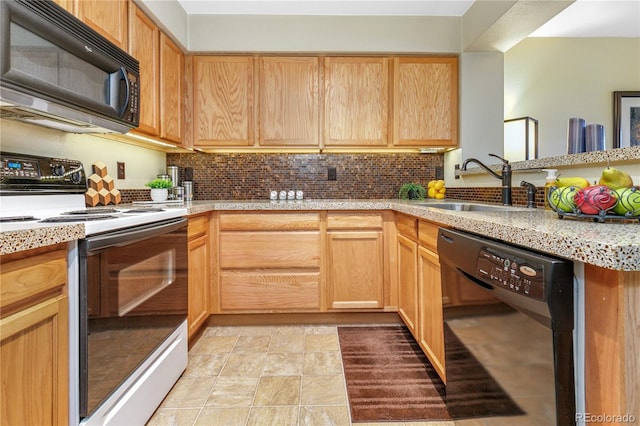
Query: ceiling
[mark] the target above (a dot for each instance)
(583, 18)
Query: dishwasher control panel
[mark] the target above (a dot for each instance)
(511, 273)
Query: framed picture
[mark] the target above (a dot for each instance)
(626, 119)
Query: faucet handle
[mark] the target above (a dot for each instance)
(504, 160)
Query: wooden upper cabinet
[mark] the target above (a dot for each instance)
(356, 101)
(69, 5)
(108, 17)
(223, 101)
(425, 108)
(171, 89)
(144, 46)
(289, 101)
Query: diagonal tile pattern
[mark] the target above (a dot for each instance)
(271, 375)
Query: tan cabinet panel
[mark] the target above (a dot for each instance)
(295, 249)
(355, 269)
(431, 326)
(407, 283)
(144, 46)
(428, 235)
(256, 290)
(34, 342)
(425, 108)
(223, 101)
(407, 225)
(356, 99)
(199, 286)
(289, 101)
(171, 90)
(269, 222)
(354, 220)
(108, 17)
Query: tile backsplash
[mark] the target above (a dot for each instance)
(252, 176)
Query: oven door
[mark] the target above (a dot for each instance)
(133, 295)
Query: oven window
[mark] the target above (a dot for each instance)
(136, 297)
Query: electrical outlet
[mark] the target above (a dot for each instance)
(331, 173)
(121, 174)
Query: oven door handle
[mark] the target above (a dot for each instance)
(128, 236)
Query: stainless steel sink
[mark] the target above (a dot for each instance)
(472, 207)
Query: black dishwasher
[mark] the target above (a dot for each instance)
(522, 290)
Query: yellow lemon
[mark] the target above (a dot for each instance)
(442, 190)
(439, 184)
(431, 183)
(431, 193)
(439, 196)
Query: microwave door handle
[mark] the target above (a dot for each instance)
(122, 108)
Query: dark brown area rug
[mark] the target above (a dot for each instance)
(390, 379)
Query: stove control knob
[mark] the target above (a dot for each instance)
(75, 177)
(57, 170)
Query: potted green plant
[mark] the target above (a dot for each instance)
(159, 189)
(412, 191)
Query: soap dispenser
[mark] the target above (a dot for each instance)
(550, 181)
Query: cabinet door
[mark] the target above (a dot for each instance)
(69, 5)
(355, 269)
(108, 17)
(356, 102)
(407, 283)
(425, 97)
(431, 325)
(198, 283)
(144, 46)
(289, 101)
(223, 101)
(171, 89)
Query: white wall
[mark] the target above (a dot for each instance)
(141, 164)
(553, 79)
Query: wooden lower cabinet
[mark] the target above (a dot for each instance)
(355, 266)
(199, 272)
(34, 342)
(407, 283)
(431, 320)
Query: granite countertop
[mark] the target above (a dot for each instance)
(614, 245)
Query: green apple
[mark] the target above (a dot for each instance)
(561, 198)
(628, 201)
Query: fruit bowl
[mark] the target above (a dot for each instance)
(597, 203)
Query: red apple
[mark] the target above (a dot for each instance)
(594, 199)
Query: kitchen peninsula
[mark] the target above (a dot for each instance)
(606, 258)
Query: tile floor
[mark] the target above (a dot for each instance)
(269, 375)
(292, 375)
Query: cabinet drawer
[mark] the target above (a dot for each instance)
(407, 226)
(24, 281)
(354, 220)
(269, 221)
(268, 290)
(198, 226)
(245, 250)
(428, 235)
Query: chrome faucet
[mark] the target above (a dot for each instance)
(505, 176)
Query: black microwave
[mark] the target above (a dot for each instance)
(57, 72)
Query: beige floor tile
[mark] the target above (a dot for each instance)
(174, 417)
(233, 392)
(322, 363)
(318, 415)
(289, 330)
(188, 392)
(260, 330)
(276, 416)
(222, 331)
(278, 390)
(211, 416)
(323, 390)
(244, 365)
(205, 365)
(287, 343)
(321, 329)
(321, 343)
(213, 344)
(252, 344)
(283, 364)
